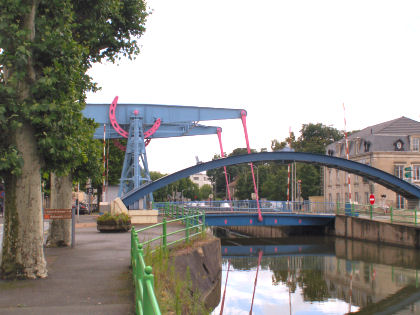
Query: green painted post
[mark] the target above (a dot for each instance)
(371, 212)
(177, 209)
(183, 213)
(392, 215)
(187, 230)
(164, 241)
(203, 222)
(147, 299)
(415, 216)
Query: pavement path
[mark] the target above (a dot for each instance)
(92, 278)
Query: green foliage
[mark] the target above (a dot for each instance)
(113, 219)
(182, 188)
(43, 77)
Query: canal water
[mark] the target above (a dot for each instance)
(318, 275)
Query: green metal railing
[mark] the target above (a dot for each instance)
(386, 214)
(194, 221)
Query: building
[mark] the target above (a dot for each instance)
(391, 146)
(200, 179)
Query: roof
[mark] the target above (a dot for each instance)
(402, 126)
(381, 137)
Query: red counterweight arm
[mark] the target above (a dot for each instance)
(243, 116)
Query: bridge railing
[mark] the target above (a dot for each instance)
(145, 298)
(194, 221)
(380, 213)
(251, 206)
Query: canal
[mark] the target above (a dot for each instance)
(318, 275)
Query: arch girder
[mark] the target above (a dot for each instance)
(383, 178)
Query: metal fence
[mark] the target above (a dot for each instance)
(251, 206)
(379, 213)
(194, 221)
(373, 212)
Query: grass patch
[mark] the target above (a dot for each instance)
(174, 292)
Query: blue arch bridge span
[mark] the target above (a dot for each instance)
(401, 187)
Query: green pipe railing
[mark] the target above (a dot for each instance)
(145, 298)
(379, 213)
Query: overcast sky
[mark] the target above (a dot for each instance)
(287, 63)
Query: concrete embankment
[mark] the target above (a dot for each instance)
(274, 231)
(377, 231)
(204, 263)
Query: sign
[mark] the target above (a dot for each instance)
(372, 199)
(89, 191)
(57, 214)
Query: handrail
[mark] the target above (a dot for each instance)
(146, 302)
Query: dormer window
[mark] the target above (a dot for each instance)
(399, 145)
(366, 146)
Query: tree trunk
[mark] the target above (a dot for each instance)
(59, 234)
(23, 251)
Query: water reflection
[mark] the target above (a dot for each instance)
(320, 276)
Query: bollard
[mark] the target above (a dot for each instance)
(371, 212)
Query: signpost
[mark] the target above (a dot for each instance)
(372, 199)
(62, 214)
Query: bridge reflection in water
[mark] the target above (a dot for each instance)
(320, 275)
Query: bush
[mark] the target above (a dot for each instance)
(109, 222)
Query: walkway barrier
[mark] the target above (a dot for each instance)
(194, 221)
(303, 206)
(379, 213)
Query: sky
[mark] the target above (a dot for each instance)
(287, 63)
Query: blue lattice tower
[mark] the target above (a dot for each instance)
(135, 171)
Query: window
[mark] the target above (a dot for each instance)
(356, 197)
(415, 144)
(399, 171)
(196, 178)
(329, 176)
(400, 202)
(356, 179)
(416, 172)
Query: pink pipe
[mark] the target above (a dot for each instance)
(219, 134)
(256, 278)
(243, 117)
(224, 292)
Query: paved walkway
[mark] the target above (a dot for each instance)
(92, 278)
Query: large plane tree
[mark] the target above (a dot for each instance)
(46, 48)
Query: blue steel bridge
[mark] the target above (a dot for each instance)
(237, 215)
(244, 212)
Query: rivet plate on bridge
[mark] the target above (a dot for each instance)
(250, 221)
(300, 221)
(225, 221)
(250, 250)
(275, 221)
